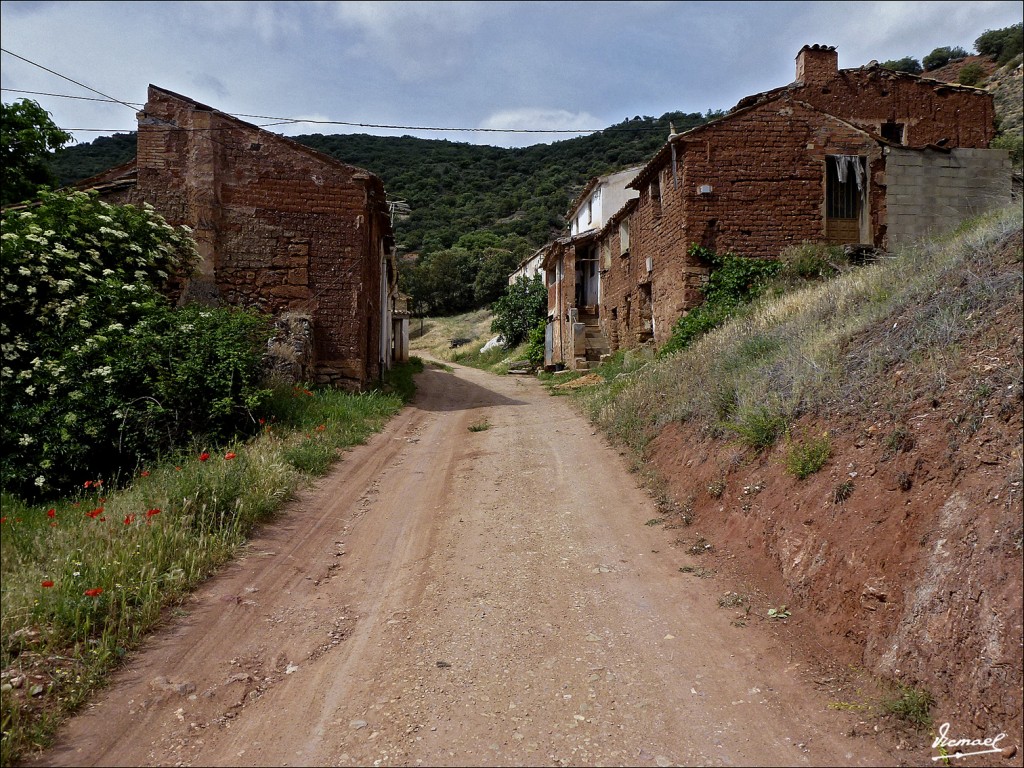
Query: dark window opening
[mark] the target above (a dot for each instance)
(656, 196)
(893, 132)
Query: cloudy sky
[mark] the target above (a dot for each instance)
(480, 65)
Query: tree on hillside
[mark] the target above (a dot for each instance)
(907, 64)
(1001, 44)
(27, 137)
(492, 277)
(940, 57)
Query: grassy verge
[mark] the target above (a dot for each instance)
(85, 578)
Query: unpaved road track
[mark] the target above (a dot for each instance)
(450, 597)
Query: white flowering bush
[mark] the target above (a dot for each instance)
(98, 370)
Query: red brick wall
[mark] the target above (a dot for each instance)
(280, 227)
(624, 319)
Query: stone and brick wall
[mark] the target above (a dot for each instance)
(931, 111)
(280, 227)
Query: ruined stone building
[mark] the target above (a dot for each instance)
(280, 227)
(857, 156)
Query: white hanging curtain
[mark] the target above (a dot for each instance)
(845, 163)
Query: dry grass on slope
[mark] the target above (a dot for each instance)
(827, 348)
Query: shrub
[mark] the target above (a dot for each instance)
(940, 57)
(1002, 44)
(536, 343)
(99, 371)
(759, 427)
(734, 281)
(810, 261)
(1012, 142)
(971, 74)
(804, 459)
(842, 491)
(911, 705)
(518, 311)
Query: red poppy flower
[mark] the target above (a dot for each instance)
(95, 513)
(152, 512)
(101, 499)
(307, 392)
(3, 519)
(98, 483)
(93, 592)
(53, 525)
(87, 484)
(144, 473)
(51, 513)
(321, 428)
(177, 469)
(129, 519)
(47, 583)
(229, 455)
(262, 421)
(204, 456)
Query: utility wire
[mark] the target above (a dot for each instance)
(290, 121)
(299, 121)
(67, 96)
(65, 77)
(100, 93)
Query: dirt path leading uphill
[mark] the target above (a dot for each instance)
(461, 597)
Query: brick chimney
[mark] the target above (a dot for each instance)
(816, 64)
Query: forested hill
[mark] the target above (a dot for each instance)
(455, 188)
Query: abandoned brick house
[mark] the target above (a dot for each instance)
(578, 252)
(856, 156)
(280, 227)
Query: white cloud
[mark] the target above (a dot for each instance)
(270, 21)
(306, 124)
(416, 41)
(536, 118)
(539, 125)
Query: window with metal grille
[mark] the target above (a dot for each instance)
(845, 177)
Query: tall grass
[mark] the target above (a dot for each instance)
(85, 578)
(822, 347)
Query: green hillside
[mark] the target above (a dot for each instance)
(455, 188)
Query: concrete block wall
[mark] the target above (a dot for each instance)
(931, 192)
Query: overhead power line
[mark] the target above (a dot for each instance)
(301, 120)
(68, 96)
(290, 120)
(70, 80)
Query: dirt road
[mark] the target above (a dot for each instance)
(459, 597)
